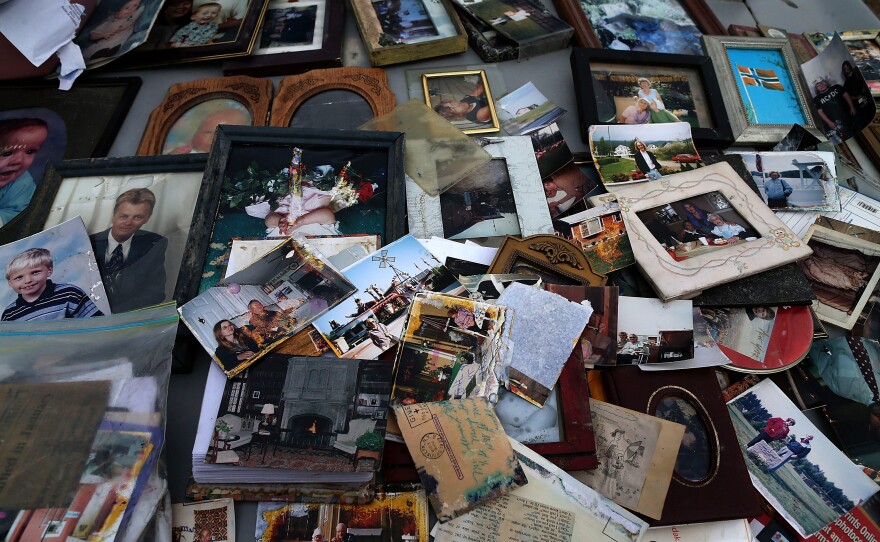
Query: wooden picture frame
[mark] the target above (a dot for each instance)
(256, 152)
(666, 65)
(585, 34)
(689, 268)
(425, 212)
(577, 450)
(371, 84)
(325, 51)
(251, 95)
(790, 106)
(53, 198)
(156, 50)
(432, 97)
(554, 259)
(384, 49)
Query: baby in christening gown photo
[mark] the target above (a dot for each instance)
(316, 214)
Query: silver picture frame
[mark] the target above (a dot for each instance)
(745, 131)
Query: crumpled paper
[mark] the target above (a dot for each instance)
(57, 22)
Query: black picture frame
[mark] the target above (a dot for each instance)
(188, 276)
(719, 136)
(94, 109)
(276, 139)
(240, 45)
(328, 56)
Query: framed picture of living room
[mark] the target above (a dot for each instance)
(610, 86)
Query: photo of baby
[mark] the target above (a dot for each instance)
(193, 132)
(463, 98)
(116, 27)
(648, 96)
(29, 139)
(201, 29)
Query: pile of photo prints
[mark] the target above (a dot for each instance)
(440, 319)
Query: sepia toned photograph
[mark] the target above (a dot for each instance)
(697, 225)
(463, 98)
(842, 271)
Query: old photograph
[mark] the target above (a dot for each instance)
(481, 204)
(650, 331)
(794, 181)
(634, 153)
(463, 98)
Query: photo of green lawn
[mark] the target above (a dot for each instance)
(808, 480)
(785, 486)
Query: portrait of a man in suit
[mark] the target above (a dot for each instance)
(131, 260)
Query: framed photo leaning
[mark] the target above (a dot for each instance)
(158, 202)
(675, 88)
(294, 38)
(762, 88)
(186, 119)
(407, 30)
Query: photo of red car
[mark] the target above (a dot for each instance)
(685, 158)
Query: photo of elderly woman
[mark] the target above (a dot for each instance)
(463, 98)
(652, 96)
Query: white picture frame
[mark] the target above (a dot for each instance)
(685, 279)
(424, 212)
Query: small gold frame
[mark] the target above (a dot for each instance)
(476, 129)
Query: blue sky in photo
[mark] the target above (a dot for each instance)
(770, 106)
(74, 262)
(410, 257)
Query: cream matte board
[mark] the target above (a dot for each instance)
(425, 219)
(744, 131)
(777, 244)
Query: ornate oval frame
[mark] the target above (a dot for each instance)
(254, 93)
(371, 84)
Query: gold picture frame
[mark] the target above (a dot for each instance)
(435, 89)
